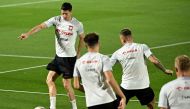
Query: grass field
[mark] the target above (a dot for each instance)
(155, 23)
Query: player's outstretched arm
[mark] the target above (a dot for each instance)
(80, 44)
(32, 31)
(111, 80)
(159, 65)
(77, 84)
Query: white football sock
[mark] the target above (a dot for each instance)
(74, 104)
(52, 102)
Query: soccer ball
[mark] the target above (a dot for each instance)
(39, 107)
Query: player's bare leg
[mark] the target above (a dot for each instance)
(51, 77)
(70, 92)
(151, 105)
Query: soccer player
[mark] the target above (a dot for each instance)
(176, 94)
(135, 78)
(95, 72)
(67, 28)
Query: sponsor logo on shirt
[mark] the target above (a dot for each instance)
(185, 97)
(91, 70)
(183, 88)
(90, 62)
(65, 33)
(129, 51)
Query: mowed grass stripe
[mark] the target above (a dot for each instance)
(41, 57)
(151, 22)
(27, 3)
(45, 93)
(3, 72)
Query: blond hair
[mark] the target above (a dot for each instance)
(183, 63)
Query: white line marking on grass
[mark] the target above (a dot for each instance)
(27, 3)
(21, 56)
(40, 57)
(40, 93)
(170, 45)
(44, 93)
(3, 72)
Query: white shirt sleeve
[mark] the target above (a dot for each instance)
(163, 100)
(76, 71)
(50, 22)
(146, 50)
(113, 59)
(106, 64)
(80, 28)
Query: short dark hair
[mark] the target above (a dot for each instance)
(66, 6)
(183, 62)
(91, 39)
(125, 32)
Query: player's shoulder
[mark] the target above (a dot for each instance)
(76, 21)
(141, 44)
(103, 56)
(83, 57)
(169, 85)
(58, 17)
(118, 51)
(78, 62)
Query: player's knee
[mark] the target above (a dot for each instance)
(151, 105)
(76, 86)
(49, 81)
(67, 86)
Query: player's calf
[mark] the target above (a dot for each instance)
(52, 76)
(70, 92)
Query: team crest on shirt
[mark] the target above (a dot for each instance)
(70, 28)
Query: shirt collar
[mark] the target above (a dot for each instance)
(184, 78)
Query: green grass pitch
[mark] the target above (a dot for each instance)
(154, 22)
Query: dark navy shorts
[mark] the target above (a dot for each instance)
(63, 66)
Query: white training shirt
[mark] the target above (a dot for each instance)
(135, 73)
(176, 94)
(66, 33)
(91, 68)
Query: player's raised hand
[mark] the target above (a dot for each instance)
(122, 103)
(23, 36)
(169, 72)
